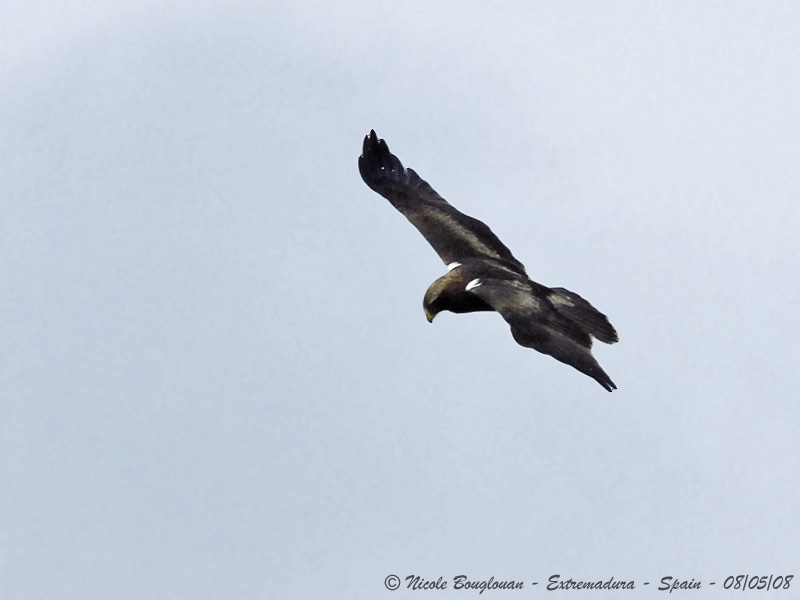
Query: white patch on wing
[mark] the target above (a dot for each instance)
(473, 284)
(560, 299)
(453, 265)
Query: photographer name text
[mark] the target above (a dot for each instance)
(557, 582)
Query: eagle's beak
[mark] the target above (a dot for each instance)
(429, 316)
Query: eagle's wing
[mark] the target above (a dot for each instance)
(454, 235)
(536, 323)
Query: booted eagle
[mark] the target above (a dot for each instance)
(482, 272)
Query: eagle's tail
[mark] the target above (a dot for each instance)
(571, 306)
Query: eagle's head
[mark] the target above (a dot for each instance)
(434, 301)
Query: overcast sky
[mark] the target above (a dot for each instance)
(217, 377)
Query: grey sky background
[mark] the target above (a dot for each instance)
(217, 377)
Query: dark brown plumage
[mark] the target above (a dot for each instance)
(483, 275)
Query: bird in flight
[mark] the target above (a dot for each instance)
(483, 275)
